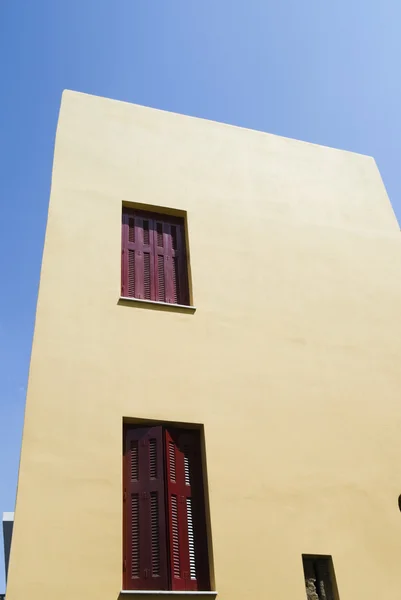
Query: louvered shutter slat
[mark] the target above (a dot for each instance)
(145, 543)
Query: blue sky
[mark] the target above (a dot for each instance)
(325, 71)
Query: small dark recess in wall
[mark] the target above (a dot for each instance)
(320, 583)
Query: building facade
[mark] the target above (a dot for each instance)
(214, 391)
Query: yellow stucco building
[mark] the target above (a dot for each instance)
(232, 297)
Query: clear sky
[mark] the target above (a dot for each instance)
(325, 71)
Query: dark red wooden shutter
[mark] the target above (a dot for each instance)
(170, 261)
(180, 266)
(138, 260)
(145, 541)
(186, 512)
(154, 263)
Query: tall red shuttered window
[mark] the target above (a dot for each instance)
(154, 262)
(165, 535)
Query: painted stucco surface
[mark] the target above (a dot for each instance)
(291, 360)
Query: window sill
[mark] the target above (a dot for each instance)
(157, 305)
(171, 593)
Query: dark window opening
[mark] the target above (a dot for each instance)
(319, 577)
(154, 262)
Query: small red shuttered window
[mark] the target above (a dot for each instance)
(165, 543)
(154, 264)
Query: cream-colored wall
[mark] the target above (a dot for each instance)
(291, 360)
